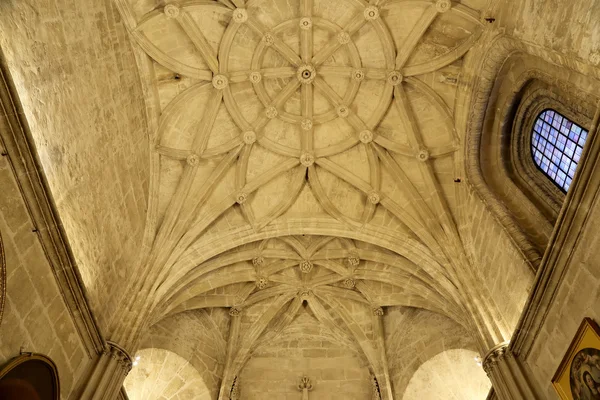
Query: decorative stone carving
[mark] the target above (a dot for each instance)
(241, 198)
(366, 136)
(106, 378)
(343, 111)
(306, 74)
(271, 112)
(240, 15)
(193, 159)
(395, 78)
(307, 159)
(495, 356)
(306, 266)
(353, 259)
(374, 197)
(304, 294)
(171, 11)
(262, 282)
(443, 5)
(255, 77)
(306, 23)
(306, 124)
(378, 311)
(305, 386)
(268, 39)
(376, 392)
(249, 137)
(234, 393)
(343, 37)
(235, 311)
(258, 261)
(220, 82)
(358, 74)
(423, 155)
(371, 13)
(349, 283)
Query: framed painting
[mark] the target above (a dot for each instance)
(578, 376)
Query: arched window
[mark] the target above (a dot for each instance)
(556, 146)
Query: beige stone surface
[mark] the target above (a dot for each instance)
(36, 318)
(261, 190)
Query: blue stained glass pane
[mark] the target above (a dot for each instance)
(556, 146)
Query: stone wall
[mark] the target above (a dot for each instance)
(36, 318)
(498, 263)
(76, 75)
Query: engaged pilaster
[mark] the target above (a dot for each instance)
(106, 378)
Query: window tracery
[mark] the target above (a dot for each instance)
(556, 146)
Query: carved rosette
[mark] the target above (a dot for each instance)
(258, 261)
(371, 13)
(343, 37)
(220, 82)
(306, 266)
(241, 198)
(374, 197)
(306, 23)
(366, 136)
(193, 159)
(255, 77)
(307, 159)
(353, 259)
(240, 15)
(262, 282)
(349, 283)
(271, 112)
(307, 124)
(343, 111)
(268, 39)
(358, 74)
(171, 11)
(443, 6)
(395, 78)
(249, 137)
(423, 155)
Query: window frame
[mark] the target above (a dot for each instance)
(571, 158)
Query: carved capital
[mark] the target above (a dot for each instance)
(119, 354)
(494, 356)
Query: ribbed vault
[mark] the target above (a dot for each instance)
(306, 161)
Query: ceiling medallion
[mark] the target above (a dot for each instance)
(307, 159)
(343, 37)
(371, 13)
(306, 23)
(171, 11)
(443, 5)
(268, 39)
(306, 266)
(306, 74)
(258, 261)
(220, 82)
(271, 112)
(249, 137)
(358, 75)
(193, 159)
(395, 78)
(366, 136)
(423, 155)
(262, 282)
(306, 124)
(374, 197)
(255, 77)
(353, 259)
(241, 198)
(240, 15)
(343, 111)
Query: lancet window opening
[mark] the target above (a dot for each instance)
(556, 147)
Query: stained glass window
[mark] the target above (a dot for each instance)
(556, 146)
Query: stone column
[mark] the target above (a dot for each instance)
(507, 375)
(106, 377)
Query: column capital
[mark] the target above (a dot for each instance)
(495, 355)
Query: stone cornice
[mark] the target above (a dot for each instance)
(18, 144)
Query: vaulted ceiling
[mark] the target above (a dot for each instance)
(306, 158)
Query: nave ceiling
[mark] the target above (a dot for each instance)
(306, 158)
